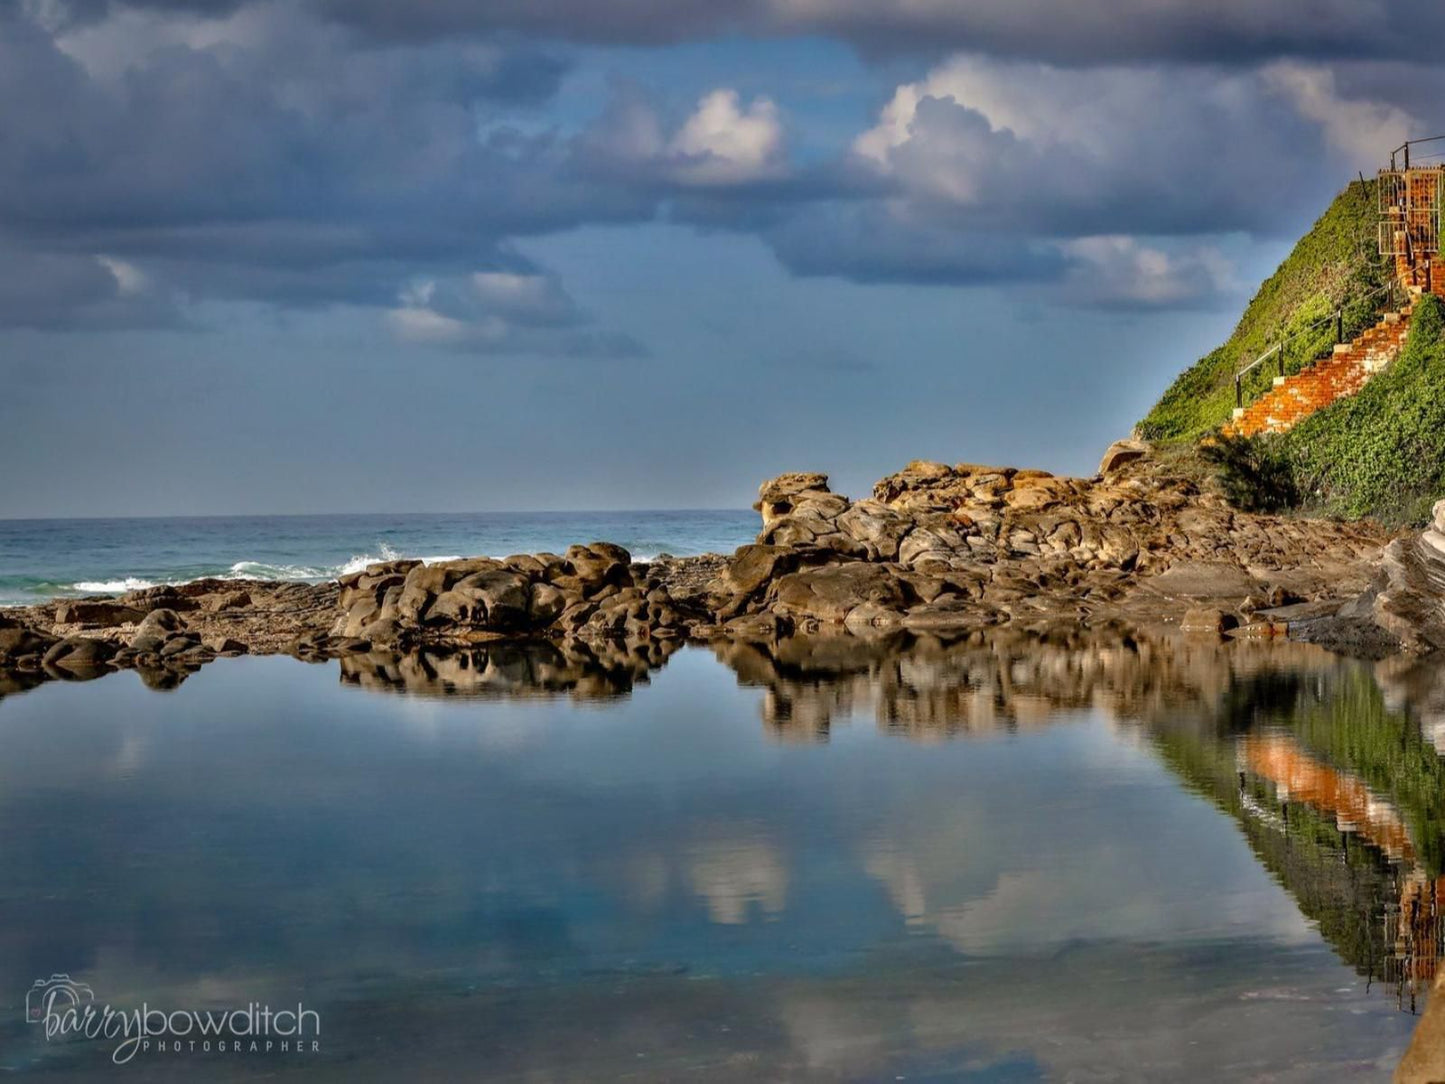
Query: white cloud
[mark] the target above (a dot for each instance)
(1123, 271)
(129, 279)
(429, 327)
(528, 298)
(1363, 130)
(722, 143)
(501, 312)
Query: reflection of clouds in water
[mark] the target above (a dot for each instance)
(1086, 841)
(832, 1035)
(122, 980)
(733, 874)
(900, 875)
(668, 837)
(1108, 894)
(132, 755)
(646, 878)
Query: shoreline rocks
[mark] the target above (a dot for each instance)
(969, 546)
(935, 548)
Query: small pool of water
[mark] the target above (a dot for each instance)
(992, 861)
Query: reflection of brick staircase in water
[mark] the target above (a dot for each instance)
(1322, 382)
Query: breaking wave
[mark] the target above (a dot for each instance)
(111, 587)
(250, 570)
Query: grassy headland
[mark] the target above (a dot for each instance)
(1379, 454)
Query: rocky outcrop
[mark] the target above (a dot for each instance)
(1407, 599)
(941, 547)
(593, 593)
(938, 549)
(1122, 452)
(163, 632)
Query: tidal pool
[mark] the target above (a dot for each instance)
(997, 860)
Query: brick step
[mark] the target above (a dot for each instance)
(1341, 373)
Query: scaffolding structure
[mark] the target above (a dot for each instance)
(1410, 201)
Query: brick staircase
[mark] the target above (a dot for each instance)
(1294, 398)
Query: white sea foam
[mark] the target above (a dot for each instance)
(361, 560)
(262, 570)
(101, 587)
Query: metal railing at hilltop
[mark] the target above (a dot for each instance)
(1404, 148)
(1279, 349)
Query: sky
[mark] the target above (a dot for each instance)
(281, 256)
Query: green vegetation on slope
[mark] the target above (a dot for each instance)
(1335, 264)
(1381, 452)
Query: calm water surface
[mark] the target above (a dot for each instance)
(1003, 861)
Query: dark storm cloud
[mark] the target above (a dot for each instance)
(876, 242)
(319, 154)
(52, 292)
(288, 168)
(1074, 152)
(1073, 32)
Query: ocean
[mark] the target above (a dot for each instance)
(45, 558)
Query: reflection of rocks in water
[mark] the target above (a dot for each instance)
(1337, 792)
(1393, 894)
(1414, 930)
(510, 669)
(19, 681)
(1416, 687)
(927, 687)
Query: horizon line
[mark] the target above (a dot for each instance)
(324, 515)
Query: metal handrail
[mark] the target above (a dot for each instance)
(1405, 146)
(1338, 316)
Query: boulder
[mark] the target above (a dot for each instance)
(381, 569)
(226, 600)
(877, 527)
(155, 628)
(871, 618)
(19, 642)
(545, 605)
(1205, 580)
(177, 643)
(496, 600)
(421, 586)
(79, 653)
(105, 613)
(754, 565)
(165, 597)
(589, 570)
(948, 612)
(829, 594)
(788, 485)
(936, 543)
(1202, 619)
(1121, 452)
(780, 496)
